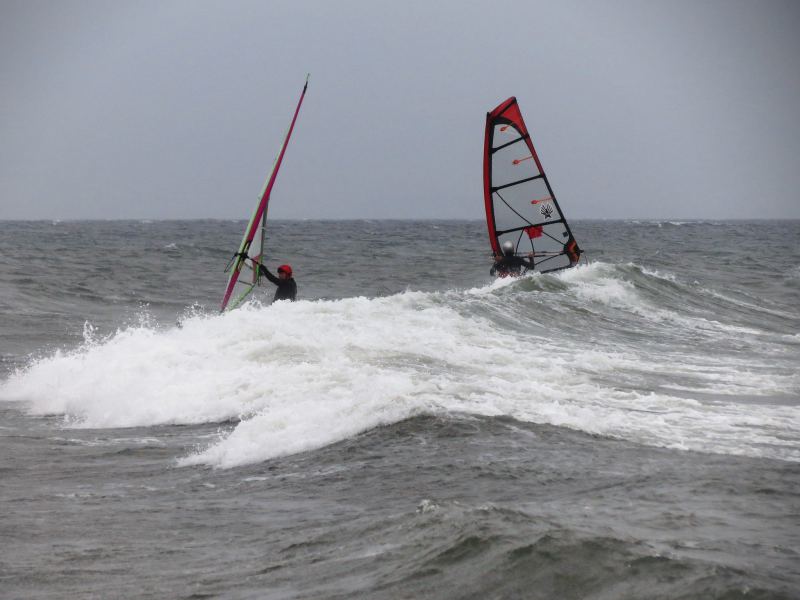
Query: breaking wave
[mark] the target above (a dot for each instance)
(614, 350)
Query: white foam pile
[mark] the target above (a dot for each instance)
(299, 376)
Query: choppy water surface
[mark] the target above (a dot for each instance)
(410, 428)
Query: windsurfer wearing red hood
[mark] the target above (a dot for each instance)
(287, 288)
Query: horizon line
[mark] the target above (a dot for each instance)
(409, 219)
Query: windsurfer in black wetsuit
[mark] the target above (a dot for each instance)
(287, 288)
(507, 264)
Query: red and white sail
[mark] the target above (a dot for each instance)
(520, 204)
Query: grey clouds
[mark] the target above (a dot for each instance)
(176, 109)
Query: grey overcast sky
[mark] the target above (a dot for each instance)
(175, 109)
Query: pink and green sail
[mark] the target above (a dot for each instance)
(257, 221)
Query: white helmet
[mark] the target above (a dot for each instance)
(508, 248)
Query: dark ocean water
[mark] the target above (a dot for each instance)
(409, 429)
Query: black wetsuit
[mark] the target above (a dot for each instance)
(287, 288)
(510, 265)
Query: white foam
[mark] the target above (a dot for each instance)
(299, 376)
(595, 283)
(656, 273)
